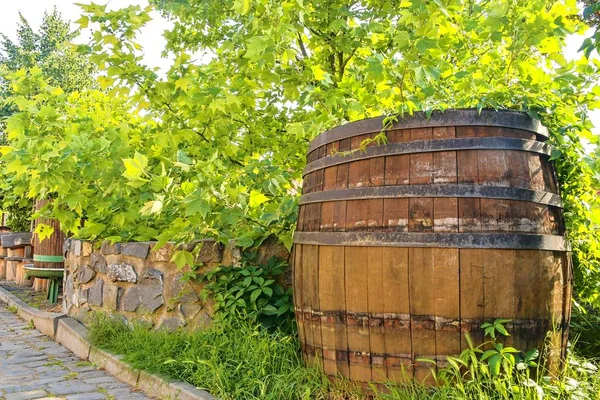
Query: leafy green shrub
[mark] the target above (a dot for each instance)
(253, 292)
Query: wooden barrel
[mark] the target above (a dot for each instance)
(48, 253)
(3, 250)
(402, 248)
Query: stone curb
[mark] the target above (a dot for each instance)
(74, 336)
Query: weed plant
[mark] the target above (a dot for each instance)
(239, 360)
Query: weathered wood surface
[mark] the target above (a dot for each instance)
(52, 246)
(369, 312)
(15, 240)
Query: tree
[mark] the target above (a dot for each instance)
(591, 15)
(50, 50)
(254, 81)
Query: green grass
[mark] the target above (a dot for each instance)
(240, 361)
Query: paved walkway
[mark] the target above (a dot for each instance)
(34, 367)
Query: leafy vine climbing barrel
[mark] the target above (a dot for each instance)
(404, 246)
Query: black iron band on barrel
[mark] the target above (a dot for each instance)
(400, 191)
(449, 118)
(445, 240)
(429, 146)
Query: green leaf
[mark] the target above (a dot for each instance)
(43, 231)
(241, 6)
(488, 354)
(495, 363)
(135, 167)
(255, 294)
(182, 258)
(257, 198)
(198, 205)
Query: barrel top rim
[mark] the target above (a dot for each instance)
(450, 117)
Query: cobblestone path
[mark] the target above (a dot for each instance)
(32, 366)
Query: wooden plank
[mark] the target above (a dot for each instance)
(309, 180)
(567, 295)
(397, 169)
(312, 217)
(444, 162)
(471, 295)
(322, 152)
(421, 165)
(548, 219)
(398, 136)
(376, 171)
(469, 215)
(518, 169)
(357, 307)
(339, 216)
(301, 218)
(342, 169)
(330, 178)
(550, 183)
(357, 212)
(396, 304)
(445, 167)
(492, 168)
(374, 214)
(422, 310)
(319, 180)
(444, 132)
(495, 215)
(421, 169)
(523, 217)
(488, 131)
(467, 165)
(307, 254)
(499, 287)
(311, 265)
(420, 214)
(329, 292)
(376, 306)
(551, 263)
(338, 267)
(445, 215)
(527, 292)
(421, 134)
(534, 161)
(395, 215)
(327, 216)
(358, 174)
(298, 285)
(446, 278)
(356, 141)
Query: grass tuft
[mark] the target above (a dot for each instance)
(237, 360)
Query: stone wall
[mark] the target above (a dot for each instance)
(139, 283)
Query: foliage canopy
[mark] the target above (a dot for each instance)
(216, 146)
(50, 50)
